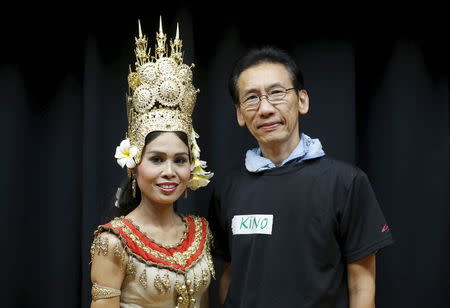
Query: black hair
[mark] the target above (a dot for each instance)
(268, 54)
(124, 202)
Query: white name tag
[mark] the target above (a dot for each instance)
(252, 224)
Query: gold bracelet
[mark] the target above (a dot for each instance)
(99, 292)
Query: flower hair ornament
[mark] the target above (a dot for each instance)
(161, 97)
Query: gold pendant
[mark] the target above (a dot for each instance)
(131, 268)
(162, 284)
(143, 279)
(185, 298)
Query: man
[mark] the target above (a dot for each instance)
(294, 227)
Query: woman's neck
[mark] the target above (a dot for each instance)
(161, 216)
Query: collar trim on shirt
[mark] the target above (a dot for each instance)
(306, 149)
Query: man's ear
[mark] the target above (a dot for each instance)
(303, 102)
(239, 115)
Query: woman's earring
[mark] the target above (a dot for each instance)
(185, 193)
(133, 187)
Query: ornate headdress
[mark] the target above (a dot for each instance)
(161, 98)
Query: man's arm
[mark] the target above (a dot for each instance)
(224, 282)
(361, 282)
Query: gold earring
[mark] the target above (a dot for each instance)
(185, 193)
(133, 187)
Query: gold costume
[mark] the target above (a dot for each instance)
(157, 275)
(161, 98)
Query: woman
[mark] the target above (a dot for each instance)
(152, 256)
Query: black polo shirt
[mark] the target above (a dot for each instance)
(289, 232)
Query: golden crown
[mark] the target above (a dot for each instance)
(161, 97)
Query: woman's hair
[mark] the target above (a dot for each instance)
(124, 202)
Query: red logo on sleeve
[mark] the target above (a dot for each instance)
(385, 228)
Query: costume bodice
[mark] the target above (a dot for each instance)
(161, 276)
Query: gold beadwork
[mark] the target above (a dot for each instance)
(93, 248)
(178, 258)
(120, 228)
(99, 246)
(210, 265)
(101, 292)
(131, 268)
(103, 246)
(209, 260)
(197, 282)
(120, 253)
(143, 278)
(185, 297)
(166, 246)
(117, 250)
(205, 277)
(165, 281)
(199, 270)
(162, 284)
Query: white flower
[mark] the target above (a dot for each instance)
(198, 181)
(195, 134)
(195, 150)
(198, 165)
(199, 177)
(125, 154)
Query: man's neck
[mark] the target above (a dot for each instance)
(278, 152)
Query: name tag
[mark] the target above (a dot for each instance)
(252, 224)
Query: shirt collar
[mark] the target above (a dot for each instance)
(307, 148)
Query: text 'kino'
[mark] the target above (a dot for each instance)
(252, 222)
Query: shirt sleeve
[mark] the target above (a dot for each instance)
(363, 228)
(217, 222)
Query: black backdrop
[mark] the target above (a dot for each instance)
(378, 83)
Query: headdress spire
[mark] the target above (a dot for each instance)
(161, 41)
(161, 98)
(142, 56)
(176, 45)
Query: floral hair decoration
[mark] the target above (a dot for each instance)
(161, 97)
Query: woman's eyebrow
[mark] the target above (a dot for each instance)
(164, 153)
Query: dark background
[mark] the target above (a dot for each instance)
(377, 77)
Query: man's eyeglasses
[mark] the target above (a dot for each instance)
(275, 96)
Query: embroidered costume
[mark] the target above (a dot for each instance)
(161, 97)
(158, 275)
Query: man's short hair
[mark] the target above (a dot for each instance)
(261, 55)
